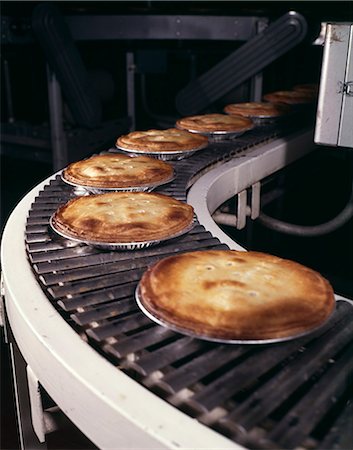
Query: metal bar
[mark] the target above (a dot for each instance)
(255, 200)
(161, 27)
(50, 246)
(58, 139)
(102, 282)
(97, 297)
(241, 210)
(160, 358)
(257, 80)
(114, 328)
(139, 341)
(37, 220)
(130, 86)
(104, 312)
(67, 253)
(37, 412)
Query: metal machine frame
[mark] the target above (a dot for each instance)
(334, 125)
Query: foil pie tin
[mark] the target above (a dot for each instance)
(266, 120)
(217, 136)
(165, 156)
(81, 189)
(144, 309)
(118, 245)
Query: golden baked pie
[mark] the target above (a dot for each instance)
(257, 109)
(234, 295)
(119, 217)
(312, 88)
(290, 97)
(215, 123)
(170, 140)
(116, 170)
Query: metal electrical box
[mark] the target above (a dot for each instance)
(334, 119)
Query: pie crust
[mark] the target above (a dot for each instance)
(215, 123)
(312, 88)
(234, 295)
(170, 140)
(290, 97)
(118, 171)
(122, 217)
(257, 109)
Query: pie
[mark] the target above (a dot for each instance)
(116, 170)
(290, 97)
(215, 123)
(170, 140)
(122, 217)
(257, 109)
(236, 295)
(312, 88)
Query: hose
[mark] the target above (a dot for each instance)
(310, 230)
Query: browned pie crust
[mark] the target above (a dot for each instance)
(257, 109)
(118, 171)
(311, 88)
(211, 123)
(170, 140)
(232, 295)
(121, 217)
(290, 97)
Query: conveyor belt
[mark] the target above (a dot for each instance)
(285, 395)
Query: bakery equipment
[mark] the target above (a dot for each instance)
(83, 351)
(126, 382)
(335, 106)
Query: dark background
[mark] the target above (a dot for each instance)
(317, 187)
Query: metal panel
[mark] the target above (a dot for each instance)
(161, 27)
(103, 27)
(345, 138)
(335, 106)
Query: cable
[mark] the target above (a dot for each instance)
(310, 230)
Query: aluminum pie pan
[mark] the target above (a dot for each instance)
(205, 337)
(118, 245)
(103, 190)
(266, 120)
(215, 136)
(165, 156)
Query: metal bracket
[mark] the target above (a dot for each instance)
(36, 405)
(43, 422)
(130, 82)
(348, 88)
(243, 209)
